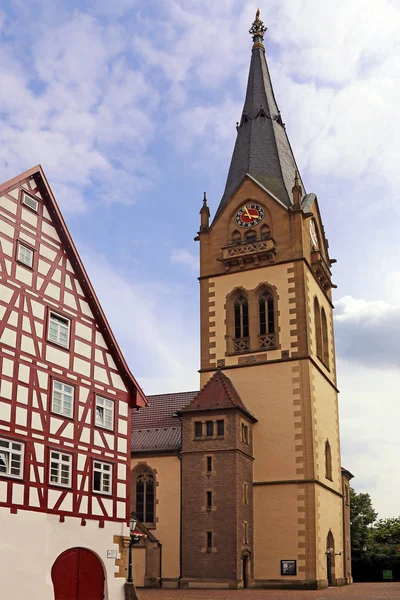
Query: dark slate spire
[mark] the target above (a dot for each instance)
(262, 148)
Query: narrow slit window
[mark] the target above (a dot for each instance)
(209, 541)
(209, 464)
(246, 532)
(209, 428)
(25, 255)
(209, 500)
(59, 329)
(245, 493)
(328, 461)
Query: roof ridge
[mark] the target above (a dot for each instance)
(225, 381)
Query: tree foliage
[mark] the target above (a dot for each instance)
(362, 517)
(375, 544)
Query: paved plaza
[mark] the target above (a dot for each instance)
(357, 591)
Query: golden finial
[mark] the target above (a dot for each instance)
(257, 30)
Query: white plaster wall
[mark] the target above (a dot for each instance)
(25, 568)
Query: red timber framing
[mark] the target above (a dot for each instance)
(91, 365)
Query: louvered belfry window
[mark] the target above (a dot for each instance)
(145, 496)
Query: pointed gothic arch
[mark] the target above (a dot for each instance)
(328, 461)
(251, 235)
(143, 494)
(267, 318)
(318, 328)
(325, 340)
(241, 316)
(265, 232)
(330, 558)
(236, 237)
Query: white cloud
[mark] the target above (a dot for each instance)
(80, 109)
(368, 332)
(157, 334)
(370, 435)
(184, 257)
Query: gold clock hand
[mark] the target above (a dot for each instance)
(246, 210)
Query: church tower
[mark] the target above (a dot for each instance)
(266, 324)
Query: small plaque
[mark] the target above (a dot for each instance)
(288, 567)
(111, 554)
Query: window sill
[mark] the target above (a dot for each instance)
(98, 493)
(104, 427)
(58, 414)
(59, 346)
(60, 486)
(12, 477)
(22, 264)
(255, 351)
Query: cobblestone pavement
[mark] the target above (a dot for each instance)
(357, 591)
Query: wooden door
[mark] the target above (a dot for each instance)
(78, 574)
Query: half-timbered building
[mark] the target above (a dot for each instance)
(66, 395)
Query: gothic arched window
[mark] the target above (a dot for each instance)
(317, 323)
(266, 313)
(144, 495)
(328, 461)
(241, 318)
(236, 237)
(266, 316)
(265, 232)
(325, 342)
(251, 236)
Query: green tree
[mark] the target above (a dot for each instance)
(387, 531)
(362, 517)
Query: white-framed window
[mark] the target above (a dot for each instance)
(25, 255)
(60, 468)
(59, 328)
(63, 399)
(11, 458)
(102, 477)
(30, 202)
(104, 412)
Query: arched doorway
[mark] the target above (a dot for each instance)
(330, 559)
(246, 554)
(78, 574)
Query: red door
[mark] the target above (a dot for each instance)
(78, 574)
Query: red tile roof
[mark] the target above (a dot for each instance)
(157, 427)
(156, 440)
(218, 393)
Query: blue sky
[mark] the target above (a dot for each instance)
(131, 107)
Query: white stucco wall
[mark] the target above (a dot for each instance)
(32, 541)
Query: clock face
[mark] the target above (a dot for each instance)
(313, 234)
(249, 215)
